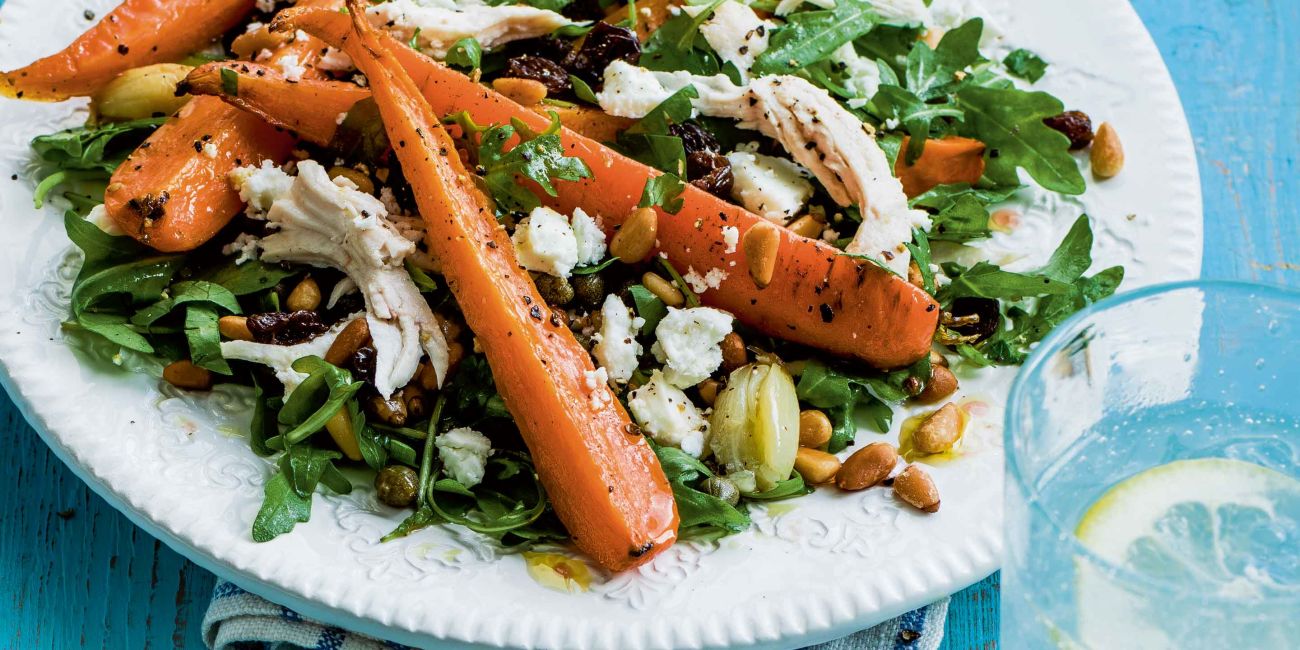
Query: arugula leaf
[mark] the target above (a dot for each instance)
(548, 5)
(99, 148)
(282, 509)
(810, 36)
(317, 399)
(985, 280)
(422, 280)
(511, 497)
(916, 116)
(840, 393)
(304, 465)
(538, 157)
(1010, 122)
(102, 298)
(665, 191)
(583, 90)
(466, 54)
(362, 134)
(594, 268)
(965, 219)
(204, 338)
(941, 197)
(701, 513)
(1026, 65)
(932, 73)
(676, 45)
(182, 293)
(229, 82)
(648, 306)
(423, 517)
(263, 424)
(250, 277)
(373, 450)
(788, 489)
(649, 140)
(920, 250)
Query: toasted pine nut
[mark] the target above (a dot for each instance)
(941, 385)
(426, 377)
(184, 374)
(234, 328)
(916, 487)
(527, 92)
(937, 359)
(815, 429)
(663, 289)
(939, 431)
(709, 390)
(340, 428)
(734, 354)
(816, 466)
(635, 239)
(305, 296)
(806, 226)
(362, 181)
(932, 37)
(761, 243)
(914, 276)
(867, 466)
(346, 344)
(1107, 152)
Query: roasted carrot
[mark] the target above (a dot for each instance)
(601, 476)
(259, 89)
(820, 298)
(173, 192)
(136, 33)
(948, 160)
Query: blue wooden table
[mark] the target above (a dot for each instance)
(75, 573)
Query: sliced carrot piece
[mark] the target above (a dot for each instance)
(944, 161)
(819, 298)
(600, 474)
(260, 90)
(136, 33)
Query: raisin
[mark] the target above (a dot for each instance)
(1076, 125)
(605, 43)
(550, 73)
(583, 10)
(710, 172)
(546, 47)
(285, 328)
(694, 138)
(363, 363)
(990, 317)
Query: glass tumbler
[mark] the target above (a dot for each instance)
(1153, 475)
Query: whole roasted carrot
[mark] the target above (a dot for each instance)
(600, 474)
(818, 297)
(947, 160)
(136, 33)
(263, 91)
(173, 192)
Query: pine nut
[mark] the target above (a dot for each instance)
(663, 289)
(184, 374)
(526, 92)
(234, 328)
(362, 181)
(916, 487)
(734, 354)
(942, 384)
(305, 296)
(807, 226)
(867, 467)
(939, 431)
(1107, 152)
(761, 243)
(816, 466)
(815, 429)
(340, 428)
(937, 359)
(635, 239)
(709, 390)
(346, 344)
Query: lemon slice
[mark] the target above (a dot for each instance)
(1226, 529)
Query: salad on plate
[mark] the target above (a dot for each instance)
(565, 272)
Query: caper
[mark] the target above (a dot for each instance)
(397, 485)
(555, 291)
(722, 488)
(590, 289)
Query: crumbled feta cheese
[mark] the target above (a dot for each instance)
(597, 382)
(688, 343)
(631, 91)
(266, 6)
(342, 117)
(260, 187)
(616, 348)
(210, 151)
(263, 55)
(323, 223)
(737, 34)
(545, 243)
(663, 411)
(334, 60)
(769, 186)
(99, 216)
(590, 236)
(701, 283)
(440, 23)
(291, 68)
(244, 246)
(861, 74)
(389, 200)
(464, 453)
(831, 235)
(730, 237)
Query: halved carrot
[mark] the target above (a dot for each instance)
(136, 33)
(173, 192)
(600, 474)
(947, 160)
(820, 297)
(259, 89)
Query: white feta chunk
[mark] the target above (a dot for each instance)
(663, 411)
(260, 187)
(616, 349)
(590, 236)
(730, 237)
(291, 68)
(701, 283)
(464, 453)
(737, 34)
(688, 343)
(545, 243)
(772, 187)
(244, 248)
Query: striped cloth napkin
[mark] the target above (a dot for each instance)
(239, 620)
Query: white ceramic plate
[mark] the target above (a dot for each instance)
(809, 570)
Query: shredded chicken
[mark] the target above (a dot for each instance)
(443, 22)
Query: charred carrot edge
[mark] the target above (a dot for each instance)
(602, 477)
(820, 298)
(260, 90)
(136, 33)
(173, 193)
(948, 160)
